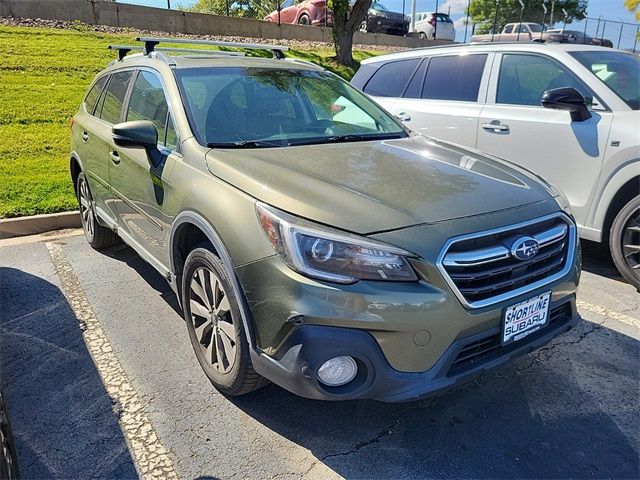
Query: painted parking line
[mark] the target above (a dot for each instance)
(150, 456)
(612, 314)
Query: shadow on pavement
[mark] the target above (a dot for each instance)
(596, 259)
(62, 417)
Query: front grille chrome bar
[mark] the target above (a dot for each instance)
(483, 256)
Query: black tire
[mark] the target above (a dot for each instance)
(97, 235)
(422, 36)
(231, 374)
(8, 458)
(304, 19)
(624, 242)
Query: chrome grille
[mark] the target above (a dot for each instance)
(482, 270)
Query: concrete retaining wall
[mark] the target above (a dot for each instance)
(100, 12)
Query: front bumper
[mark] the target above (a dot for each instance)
(295, 364)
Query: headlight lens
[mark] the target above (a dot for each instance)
(328, 254)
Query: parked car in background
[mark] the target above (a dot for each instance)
(568, 112)
(431, 25)
(312, 239)
(575, 36)
(381, 20)
(520, 32)
(305, 12)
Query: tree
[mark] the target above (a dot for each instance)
(482, 12)
(346, 20)
(239, 8)
(633, 6)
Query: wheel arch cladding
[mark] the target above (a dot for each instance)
(624, 195)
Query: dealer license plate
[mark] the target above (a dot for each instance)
(525, 318)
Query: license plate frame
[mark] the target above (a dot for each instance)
(538, 318)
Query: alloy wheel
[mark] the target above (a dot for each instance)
(212, 321)
(631, 242)
(88, 219)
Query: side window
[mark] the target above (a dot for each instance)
(524, 78)
(508, 29)
(171, 140)
(414, 88)
(391, 78)
(92, 97)
(114, 97)
(148, 102)
(454, 78)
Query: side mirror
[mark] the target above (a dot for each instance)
(139, 133)
(567, 98)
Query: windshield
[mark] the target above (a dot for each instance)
(379, 7)
(267, 107)
(619, 71)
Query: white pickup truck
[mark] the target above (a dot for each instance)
(521, 32)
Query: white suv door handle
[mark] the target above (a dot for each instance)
(403, 117)
(496, 127)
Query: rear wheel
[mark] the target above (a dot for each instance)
(97, 235)
(625, 242)
(212, 313)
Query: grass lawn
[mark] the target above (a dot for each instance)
(43, 76)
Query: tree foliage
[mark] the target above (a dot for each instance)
(482, 12)
(238, 8)
(633, 6)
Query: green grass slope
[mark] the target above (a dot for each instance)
(44, 73)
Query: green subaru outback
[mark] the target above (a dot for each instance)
(311, 239)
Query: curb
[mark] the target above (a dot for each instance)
(21, 226)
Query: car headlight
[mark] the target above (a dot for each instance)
(328, 254)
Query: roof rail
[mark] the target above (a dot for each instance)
(124, 49)
(151, 42)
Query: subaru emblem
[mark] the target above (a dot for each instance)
(525, 248)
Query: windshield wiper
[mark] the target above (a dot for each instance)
(363, 137)
(247, 144)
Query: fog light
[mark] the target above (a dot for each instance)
(338, 371)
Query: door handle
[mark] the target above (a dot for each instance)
(403, 117)
(496, 127)
(85, 137)
(115, 158)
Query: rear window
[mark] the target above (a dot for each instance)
(114, 97)
(92, 97)
(391, 78)
(454, 78)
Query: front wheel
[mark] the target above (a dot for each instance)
(212, 313)
(625, 242)
(304, 20)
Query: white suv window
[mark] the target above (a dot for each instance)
(523, 78)
(454, 77)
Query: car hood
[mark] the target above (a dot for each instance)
(374, 186)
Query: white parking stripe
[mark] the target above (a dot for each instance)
(150, 456)
(620, 317)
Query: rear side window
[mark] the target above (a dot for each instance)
(454, 78)
(414, 88)
(391, 78)
(114, 97)
(92, 97)
(149, 103)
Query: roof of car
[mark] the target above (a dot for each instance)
(485, 47)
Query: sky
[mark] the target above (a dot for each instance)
(612, 10)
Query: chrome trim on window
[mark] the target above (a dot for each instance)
(492, 254)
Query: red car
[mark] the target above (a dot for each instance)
(305, 12)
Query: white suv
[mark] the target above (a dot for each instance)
(569, 113)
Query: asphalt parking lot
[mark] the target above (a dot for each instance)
(101, 381)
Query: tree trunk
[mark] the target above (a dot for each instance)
(344, 46)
